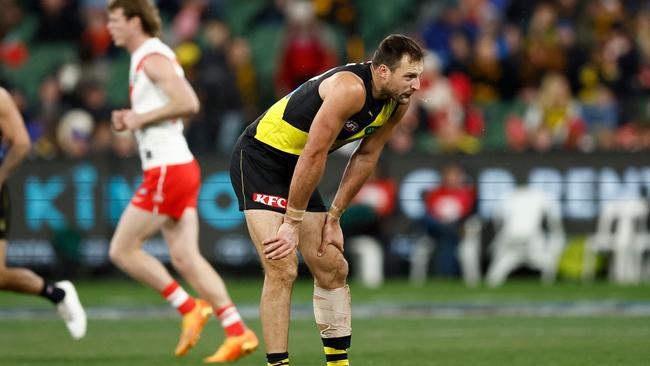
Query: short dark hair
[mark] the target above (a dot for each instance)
(393, 48)
(146, 10)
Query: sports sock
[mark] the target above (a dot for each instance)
(336, 350)
(230, 319)
(178, 298)
(277, 359)
(52, 293)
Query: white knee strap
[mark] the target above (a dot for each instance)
(332, 312)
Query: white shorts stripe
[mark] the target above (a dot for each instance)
(158, 198)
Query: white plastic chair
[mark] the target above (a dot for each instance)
(522, 240)
(621, 230)
(469, 251)
(369, 266)
(420, 258)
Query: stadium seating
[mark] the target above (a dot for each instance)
(622, 232)
(522, 238)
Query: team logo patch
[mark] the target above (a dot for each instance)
(273, 201)
(370, 129)
(351, 126)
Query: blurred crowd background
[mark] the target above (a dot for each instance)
(567, 77)
(501, 75)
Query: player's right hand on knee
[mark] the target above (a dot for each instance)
(284, 243)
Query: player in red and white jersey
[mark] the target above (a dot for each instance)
(166, 200)
(162, 143)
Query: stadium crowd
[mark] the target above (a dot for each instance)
(501, 75)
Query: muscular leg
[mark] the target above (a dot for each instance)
(182, 236)
(126, 251)
(332, 308)
(18, 279)
(279, 276)
(330, 271)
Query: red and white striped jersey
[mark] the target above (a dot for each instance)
(161, 143)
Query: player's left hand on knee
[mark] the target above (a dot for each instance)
(332, 235)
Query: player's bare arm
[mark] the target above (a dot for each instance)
(343, 95)
(14, 133)
(183, 101)
(364, 159)
(361, 164)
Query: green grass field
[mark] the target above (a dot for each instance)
(407, 338)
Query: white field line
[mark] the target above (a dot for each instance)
(368, 311)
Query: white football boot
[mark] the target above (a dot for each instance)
(71, 311)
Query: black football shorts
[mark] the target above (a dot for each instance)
(261, 175)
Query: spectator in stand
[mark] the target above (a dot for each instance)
(554, 119)
(620, 63)
(460, 55)
(604, 15)
(403, 141)
(544, 52)
(443, 112)
(492, 79)
(95, 39)
(220, 121)
(642, 41)
(273, 14)
(10, 17)
(601, 115)
(74, 133)
(93, 99)
(344, 13)
(447, 207)
(372, 206)
(241, 62)
(364, 226)
(442, 118)
(306, 51)
(58, 20)
(51, 106)
(441, 33)
(187, 21)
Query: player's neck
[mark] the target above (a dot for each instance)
(375, 79)
(136, 42)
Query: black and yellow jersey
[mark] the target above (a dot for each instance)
(286, 124)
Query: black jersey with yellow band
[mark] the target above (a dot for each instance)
(286, 124)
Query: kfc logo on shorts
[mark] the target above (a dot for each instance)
(351, 126)
(273, 201)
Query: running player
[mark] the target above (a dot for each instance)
(63, 294)
(166, 201)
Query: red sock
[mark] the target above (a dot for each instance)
(230, 320)
(178, 298)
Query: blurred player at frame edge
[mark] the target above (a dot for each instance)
(63, 293)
